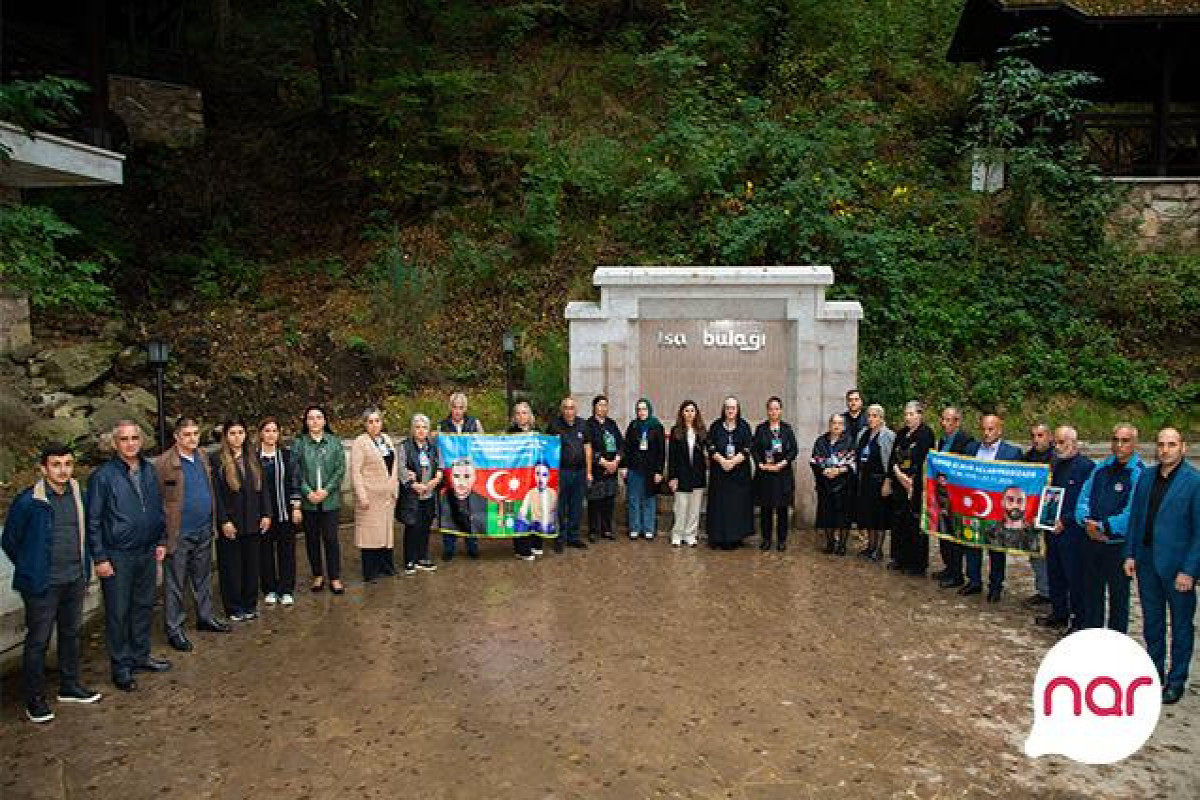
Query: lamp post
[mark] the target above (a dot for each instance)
(158, 353)
(509, 343)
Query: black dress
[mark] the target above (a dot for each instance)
(873, 511)
(775, 489)
(834, 498)
(606, 441)
(730, 494)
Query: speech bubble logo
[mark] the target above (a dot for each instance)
(1096, 698)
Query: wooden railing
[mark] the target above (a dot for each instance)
(1124, 144)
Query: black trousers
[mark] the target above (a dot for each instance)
(377, 561)
(600, 515)
(416, 536)
(910, 547)
(952, 557)
(278, 558)
(128, 608)
(237, 569)
(321, 533)
(1103, 572)
(60, 605)
(776, 518)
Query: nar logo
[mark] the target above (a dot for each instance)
(1096, 699)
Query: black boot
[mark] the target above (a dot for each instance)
(830, 544)
(765, 544)
(781, 542)
(842, 536)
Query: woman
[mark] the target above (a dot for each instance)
(606, 442)
(730, 489)
(373, 473)
(282, 482)
(642, 468)
(525, 547)
(833, 465)
(242, 516)
(419, 474)
(322, 466)
(687, 464)
(873, 453)
(910, 547)
(775, 450)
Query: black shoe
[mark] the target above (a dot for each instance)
(152, 664)
(447, 556)
(558, 545)
(578, 545)
(77, 694)
(970, 589)
(1172, 694)
(592, 538)
(830, 547)
(124, 681)
(841, 548)
(1033, 601)
(915, 572)
(38, 710)
(951, 583)
(940, 574)
(214, 625)
(781, 545)
(607, 535)
(1072, 628)
(894, 564)
(470, 554)
(994, 595)
(333, 590)
(764, 545)
(1050, 621)
(180, 643)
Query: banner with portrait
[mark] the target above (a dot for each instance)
(989, 504)
(499, 485)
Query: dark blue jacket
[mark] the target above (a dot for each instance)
(1176, 545)
(1071, 474)
(117, 519)
(1105, 496)
(28, 532)
(959, 443)
(1006, 451)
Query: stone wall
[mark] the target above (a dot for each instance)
(15, 334)
(1162, 209)
(162, 113)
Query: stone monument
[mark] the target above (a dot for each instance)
(701, 333)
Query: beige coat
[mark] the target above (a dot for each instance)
(375, 487)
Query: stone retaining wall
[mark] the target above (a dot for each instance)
(1163, 209)
(162, 113)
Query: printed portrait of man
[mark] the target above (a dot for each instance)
(540, 505)
(462, 508)
(1014, 533)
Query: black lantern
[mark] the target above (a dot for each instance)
(158, 353)
(509, 345)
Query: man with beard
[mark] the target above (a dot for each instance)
(1014, 533)
(462, 509)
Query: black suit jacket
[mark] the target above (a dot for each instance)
(959, 446)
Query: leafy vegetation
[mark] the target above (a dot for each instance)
(505, 149)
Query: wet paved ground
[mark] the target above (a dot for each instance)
(629, 671)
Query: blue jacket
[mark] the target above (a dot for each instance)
(1176, 528)
(28, 531)
(1006, 451)
(1105, 496)
(117, 519)
(1071, 475)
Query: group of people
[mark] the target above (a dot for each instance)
(1120, 519)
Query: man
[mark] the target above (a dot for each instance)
(855, 419)
(1064, 548)
(991, 448)
(190, 508)
(44, 537)
(540, 506)
(127, 534)
(1013, 532)
(459, 421)
(1103, 511)
(1162, 547)
(463, 509)
(575, 455)
(1041, 451)
(953, 440)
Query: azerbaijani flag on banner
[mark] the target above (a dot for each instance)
(499, 485)
(988, 504)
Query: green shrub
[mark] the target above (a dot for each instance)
(34, 257)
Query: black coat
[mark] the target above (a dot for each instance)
(689, 469)
(410, 459)
(835, 498)
(908, 453)
(244, 507)
(653, 459)
(730, 516)
(962, 441)
(775, 489)
(603, 485)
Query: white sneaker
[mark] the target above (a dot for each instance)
(649, 536)
(524, 557)
(634, 534)
(288, 600)
(537, 551)
(676, 541)
(271, 598)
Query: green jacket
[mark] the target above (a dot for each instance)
(325, 458)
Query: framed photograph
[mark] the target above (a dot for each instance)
(1051, 507)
